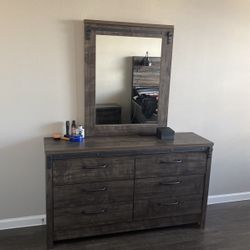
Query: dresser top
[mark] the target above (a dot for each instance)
(121, 143)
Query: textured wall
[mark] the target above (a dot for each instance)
(41, 77)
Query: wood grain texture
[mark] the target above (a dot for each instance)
(146, 76)
(91, 215)
(206, 188)
(115, 184)
(167, 207)
(93, 28)
(93, 193)
(168, 187)
(165, 74)
(49, 202)
(135, 144)
(125, 227)
(92, 169)
(171, 165)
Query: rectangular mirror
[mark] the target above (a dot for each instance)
(127, 79)
(127, 76)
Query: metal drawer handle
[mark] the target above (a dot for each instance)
(174, 161)
(95, 167)
(170, 183)
(169, 204)
(93, 212)
(94, 190)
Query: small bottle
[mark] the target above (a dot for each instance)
(81, 131)
(146, 61)
(67, 129)
(73, 128)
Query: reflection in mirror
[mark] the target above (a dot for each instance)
(127, 79)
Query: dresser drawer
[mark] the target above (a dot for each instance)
(171, 165)
(156, 208)
(92, 169)
(168, 186)
(93, 193)
(92, 215)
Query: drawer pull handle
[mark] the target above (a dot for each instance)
(95, 190)
(174, 161)
(170, 183)
(169, 204)
(93, 212)
(95, 167)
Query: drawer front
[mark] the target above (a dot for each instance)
(93, 193)
(169, 186)
(156, 208)
(92, 169)
(92, 215)
(171, 165)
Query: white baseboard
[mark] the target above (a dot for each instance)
(38, 220)
(224, 198)
(27, 221)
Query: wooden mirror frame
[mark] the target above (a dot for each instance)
(96, 27)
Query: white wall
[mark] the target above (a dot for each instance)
(114, 68)
(41, 77)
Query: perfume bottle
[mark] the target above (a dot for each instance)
(73, 128)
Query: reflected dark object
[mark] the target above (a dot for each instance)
(148, 105)
(108, 114)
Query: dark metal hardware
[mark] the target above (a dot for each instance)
(169, 204)
(174, 161)
(87, 32)
(170, 183)
(95, 190)
(93, 212)
(169, 37)
(95, 167)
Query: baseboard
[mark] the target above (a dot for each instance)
(224, 198)
(38, 220)
(27, 221)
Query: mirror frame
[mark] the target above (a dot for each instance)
(97, 27)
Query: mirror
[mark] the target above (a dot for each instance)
(127, 79)
(127, 76)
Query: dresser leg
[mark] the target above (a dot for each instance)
(202, 224)
(50, 244)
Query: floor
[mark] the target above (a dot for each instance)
(228, 227)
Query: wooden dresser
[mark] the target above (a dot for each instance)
(115, 184)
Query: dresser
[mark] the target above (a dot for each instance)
(123, 183)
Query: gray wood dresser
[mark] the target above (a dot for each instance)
(122, 183)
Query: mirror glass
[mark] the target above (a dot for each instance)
(127, 79)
